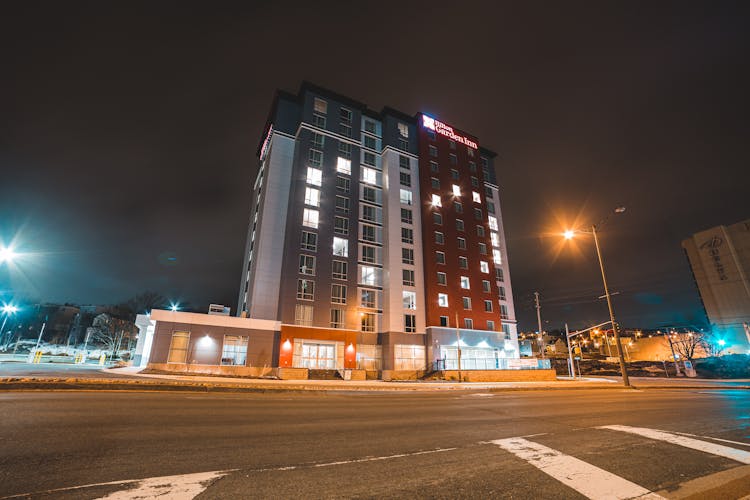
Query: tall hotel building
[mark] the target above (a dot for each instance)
(375, 240)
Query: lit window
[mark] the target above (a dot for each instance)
(367, 299)
(344, 166)
(465, 282)
(369, 175)
(405, 196)
(368, 275)
(493, 222)
(320, 106)
(340, 247)
(310, 218)
(496, 257)
(403, 130)
(495, 239)
(443, 299)
(456, 190)
(410, 300)
(314, 176)
(436, 201)
(303, 315)
(476, 197)
(484, 267)
(312, 197)
(368, 322)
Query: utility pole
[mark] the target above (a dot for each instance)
(674, 358)
(539, 322)
(458, 348)
(570, 353)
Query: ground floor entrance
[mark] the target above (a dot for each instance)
(318, 355)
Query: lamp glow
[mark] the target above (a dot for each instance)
(7, 254)
(569, 234)
(174, 307)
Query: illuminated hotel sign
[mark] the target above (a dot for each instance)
(266, 142)
(446, 130)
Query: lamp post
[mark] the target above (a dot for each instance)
(568, 235)
(8, 309)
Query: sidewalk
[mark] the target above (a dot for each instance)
(129, 378)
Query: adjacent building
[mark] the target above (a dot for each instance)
(720, 260)
(375, 242)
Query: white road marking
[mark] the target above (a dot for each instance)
(741, 456)
(586, 479)
(183, 487)
(354, 461)
(713, 438)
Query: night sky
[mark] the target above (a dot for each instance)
(128, 134)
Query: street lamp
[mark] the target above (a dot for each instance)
(7, 254)
(8, 309)
(568, 234)
(174, 307)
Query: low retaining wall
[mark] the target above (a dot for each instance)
(501, 375)
(402, 374)
(232, 371)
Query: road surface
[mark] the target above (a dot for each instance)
(536, 444)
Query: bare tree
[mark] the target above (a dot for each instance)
(712, 344)
(687, 345)
(110, 332)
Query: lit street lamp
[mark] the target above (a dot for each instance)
(8, 309)
(568, 234)
(7, 254)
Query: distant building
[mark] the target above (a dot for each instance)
(720, 260)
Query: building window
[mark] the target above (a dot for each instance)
(476, 197)
(407, 277)
(502, 293)
(178, 347)
(443, 299)
(368, 254)
(346, 116)
(440, 257)
(434, 166)
(345, 150)
(370, 127)
(368, 299)
(368, 233)
(369, 213)
(484, 267)
(466, 302)
(368, 275)
(499, 274)
(404, 179)
(463, 263)
(320, 106)
(403, 130)
(482, 248)
(407, 235)
(315, 158)
(437, 218)
(433, 150)
(312, 197)
(495, 239)
(368, 158)
(338, 294)
(340, 247)
(497, 258)
(410, 323)
(319, 121)
(459, 225)
(456, 190)
(453, 159)
(503, 311)
(488, 306)
(344, 165)
(339, 269)
(486, 287)
(234, 350)
(307, 265)
(409, 300)
(370, 142)
(480, 231)
(407, 256)
(458, 207)
(367, 322)
(342, 184)
(403, 162)
(369, 194)
(465, 282)
(309, 241)
(490, 208)
(441, 279)
(488, 192)
(468, 323)
(310, 218)
(506, 331)
(341, 225)
(490, 325)
(314, 176)
(369, 175)
(461, 243)
(452, 144)
(345, 130)
(317, 141)
(472, 166)
(470, 151)
(405, 196)
(493, 222)
(337, 318)
(478, 213)
(439, 238)
(406, 216)
(436, 201)
(443, 320)
(454, 174)
(342, 204)
(305, 289)
(303, 315)
(435, 182)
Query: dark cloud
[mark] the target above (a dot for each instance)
(128, 132)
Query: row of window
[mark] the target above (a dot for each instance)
(303, 316)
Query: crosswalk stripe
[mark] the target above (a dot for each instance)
(741, 456)
(586, 479)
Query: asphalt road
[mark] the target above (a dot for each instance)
(367, 445)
